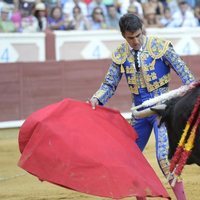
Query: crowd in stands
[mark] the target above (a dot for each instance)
(43, 15)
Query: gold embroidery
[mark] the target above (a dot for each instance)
(131, 80)
(157, 47)
(153, 76)
(120, 54)
(155, 85)
(140, 81)
(152, 65)
(130, 58)
(130, 69)
(148, 77)
(133, 89)
(122, 69)
(154, 49)
(99, 93)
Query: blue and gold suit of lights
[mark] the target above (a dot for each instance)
(156, 59)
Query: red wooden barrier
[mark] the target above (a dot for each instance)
(26, 87)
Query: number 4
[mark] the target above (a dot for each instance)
(5, 55)
(96, 53)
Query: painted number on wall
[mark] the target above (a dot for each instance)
(7, 53)
(95, 50)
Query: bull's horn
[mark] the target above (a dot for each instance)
(149, 111)
(159, 109)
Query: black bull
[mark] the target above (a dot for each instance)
(175, 116)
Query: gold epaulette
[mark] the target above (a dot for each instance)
(119, 55)
(157, 47)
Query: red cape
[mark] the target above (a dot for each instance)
(90, 151)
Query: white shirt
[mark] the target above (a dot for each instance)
(188, 20)
(138, 55)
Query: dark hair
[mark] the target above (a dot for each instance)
(182, 2)
(53, 10)
(78, 8)
(97, 8)
(130, 22)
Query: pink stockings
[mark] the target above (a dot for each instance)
(178, 190)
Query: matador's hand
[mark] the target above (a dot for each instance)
(94, 102)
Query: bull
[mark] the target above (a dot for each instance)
(175, 114)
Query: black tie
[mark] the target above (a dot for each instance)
(136, 60)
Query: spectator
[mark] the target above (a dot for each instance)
(57, 20)
(184, 17)
(6, 25)
(155, 6)
(79, 22)
(118, 5)
(10, 4)
(16, 18)
(191, 3)
(97, 3)
(173, 6)
(151, 19)
(98, 19)
(29, 22)
(41, 15)
(197, 13)
(125, 4)
(112, 20)
(133, 10)
(166, 20)
(50, 4)
(68, 8)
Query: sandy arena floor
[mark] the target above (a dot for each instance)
(16, 184)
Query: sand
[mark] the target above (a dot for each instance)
(16, 184)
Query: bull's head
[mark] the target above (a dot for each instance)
(158, 109)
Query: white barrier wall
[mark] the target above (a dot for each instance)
(100, 44)
(22, 47)
(86, 44)
(78, 45)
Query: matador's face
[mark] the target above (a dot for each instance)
(134, 39)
